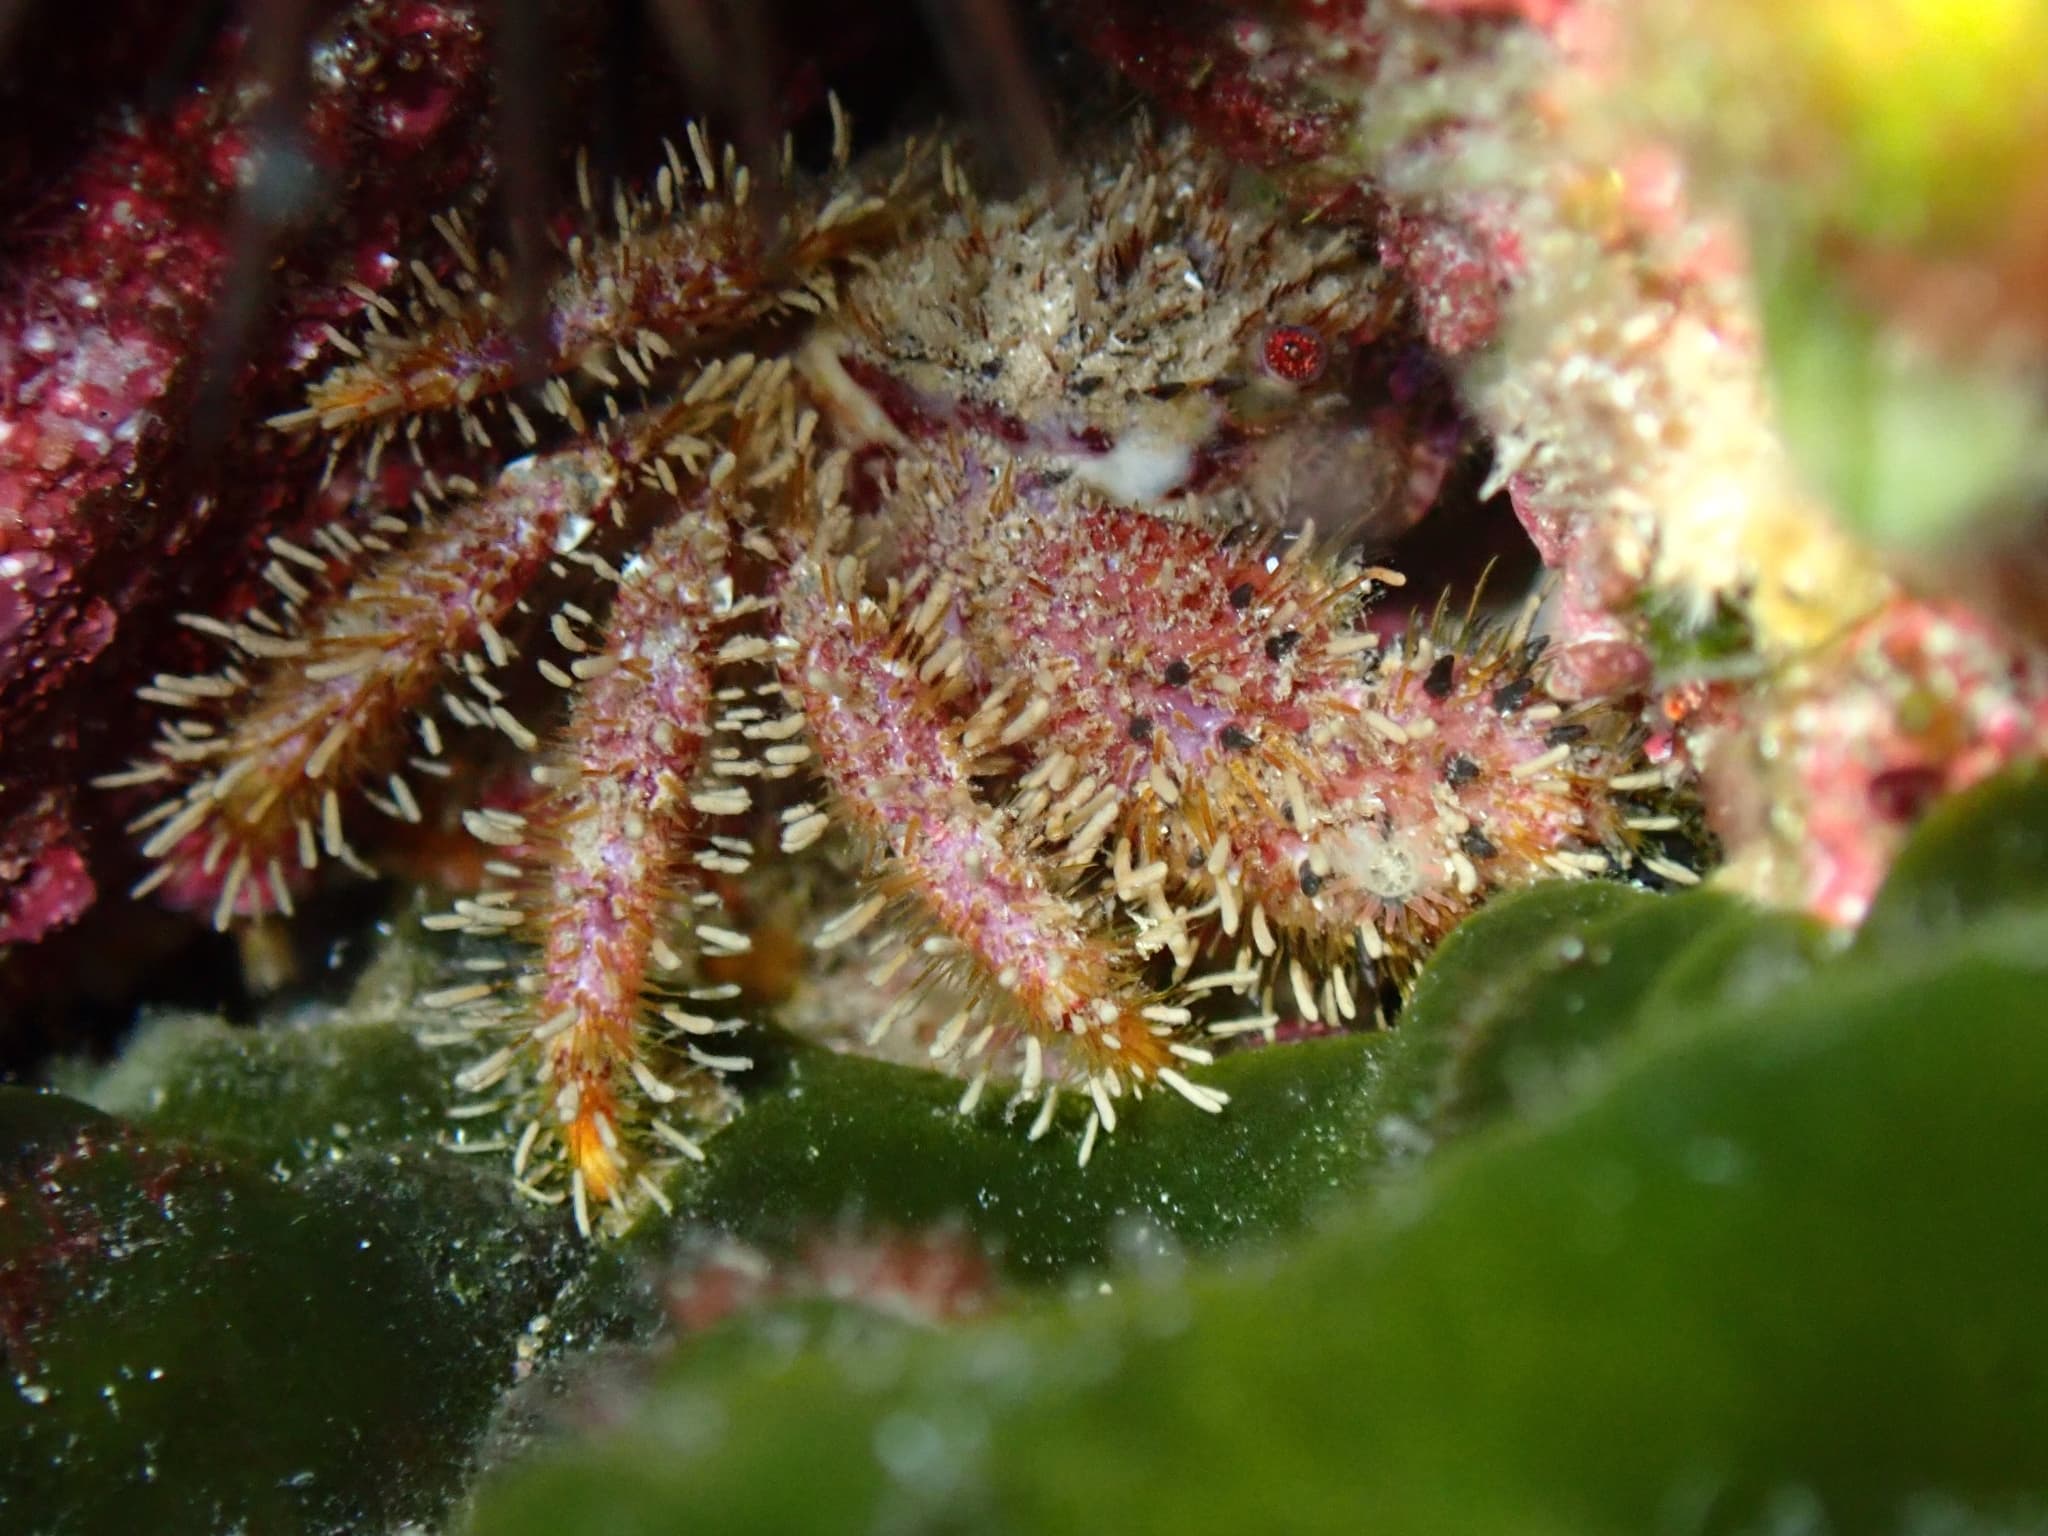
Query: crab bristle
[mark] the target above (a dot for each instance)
(1453, 776)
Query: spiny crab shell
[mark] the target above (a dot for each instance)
(980, 531)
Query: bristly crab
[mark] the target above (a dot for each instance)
(981, 530)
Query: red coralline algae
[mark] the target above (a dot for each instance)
(1459, 276)
(1243, 97)
(42, 870)
(1546, 14)
(1604, 656)
(1922, 700)
(99, 321)
(928, 1278)
(110, 296)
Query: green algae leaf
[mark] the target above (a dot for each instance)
(1547, 1028)
(1977, 854)
(829, 1139)
(1782, 1270)
(34, 1121)
(354, 1115)
(289, 1097)
(194, 1346)
(1520, 1009)
(1785, 1263)
(1472, 1002)
(1682, 644)
(1741, 960)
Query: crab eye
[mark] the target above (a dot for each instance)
(1294, 354)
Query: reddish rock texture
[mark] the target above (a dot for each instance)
(128, 479)
(1253, 109)
(1603, 656)
(1459, 272)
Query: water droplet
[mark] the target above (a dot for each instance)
(911, 1448)
(688, 1423)
(1715, 1160)
(1793, 1510)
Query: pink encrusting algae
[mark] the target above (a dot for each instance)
(1920, 701)
(110, 293)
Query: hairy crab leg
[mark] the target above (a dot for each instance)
(864, 680)
(680, 271)
(1201, 705)
(1455, 778)
(598, 876)
(318, 704)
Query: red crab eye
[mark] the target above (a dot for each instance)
(1295, 354)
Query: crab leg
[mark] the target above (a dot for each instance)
(682, 269)
(866, 682)
(599, 872)
(318, 706)
(1205, 709)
